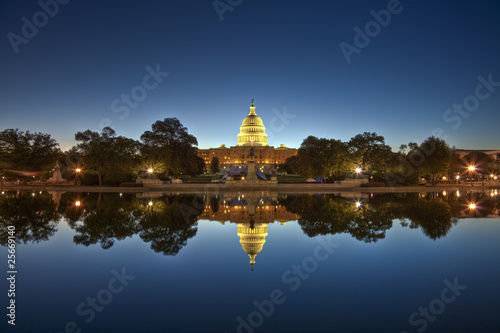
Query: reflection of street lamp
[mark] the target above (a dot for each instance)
(77, 176)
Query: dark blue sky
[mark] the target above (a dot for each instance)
(71, 74)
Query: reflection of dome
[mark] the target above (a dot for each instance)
(252, 239)
(252, 130)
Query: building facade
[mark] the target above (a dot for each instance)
(252, 134)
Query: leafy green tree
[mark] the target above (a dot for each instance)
(323, 157)
(214, 165)
(96, 149)
(170, 148)
(437, 156)
(457, 165)
(111, 158)
(366, 149)
(407, 165)
(290, 166)
(21, 152)
(72, 160)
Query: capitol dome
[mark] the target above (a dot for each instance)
(252, 130)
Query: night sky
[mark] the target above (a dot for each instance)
(76, 71)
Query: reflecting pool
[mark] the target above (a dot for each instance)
(250, 262)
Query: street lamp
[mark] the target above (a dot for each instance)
(471, 171)
(77, 176)
(358, 171)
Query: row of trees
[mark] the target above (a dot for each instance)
(167, 149)
(367, 153)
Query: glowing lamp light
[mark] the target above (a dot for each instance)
(457, 177)
(444, 177)
(150, 203)
(472, 168)
(77, 203)
(358, 170)
(358, 204)
(472, 206)
(78, 170)
(150, 170)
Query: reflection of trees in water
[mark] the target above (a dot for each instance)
(104, 218)
(34, 216)
(433, 214)
(485, 205)
(369, 220)
(322, 215)
(169, 223)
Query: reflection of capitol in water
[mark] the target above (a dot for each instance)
(252, 212)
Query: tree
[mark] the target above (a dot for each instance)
(323, 157)
(406, 166)
(21, 152)
(457, 165)
(110, 158)
(214, 165)
(437, 156)
(170, 147)
(291, 165)
(484, 164)
(365, 148)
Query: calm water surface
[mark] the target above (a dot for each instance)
(253, 262)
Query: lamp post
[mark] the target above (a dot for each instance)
(358, 171)
(471, 171)
(77, 176)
